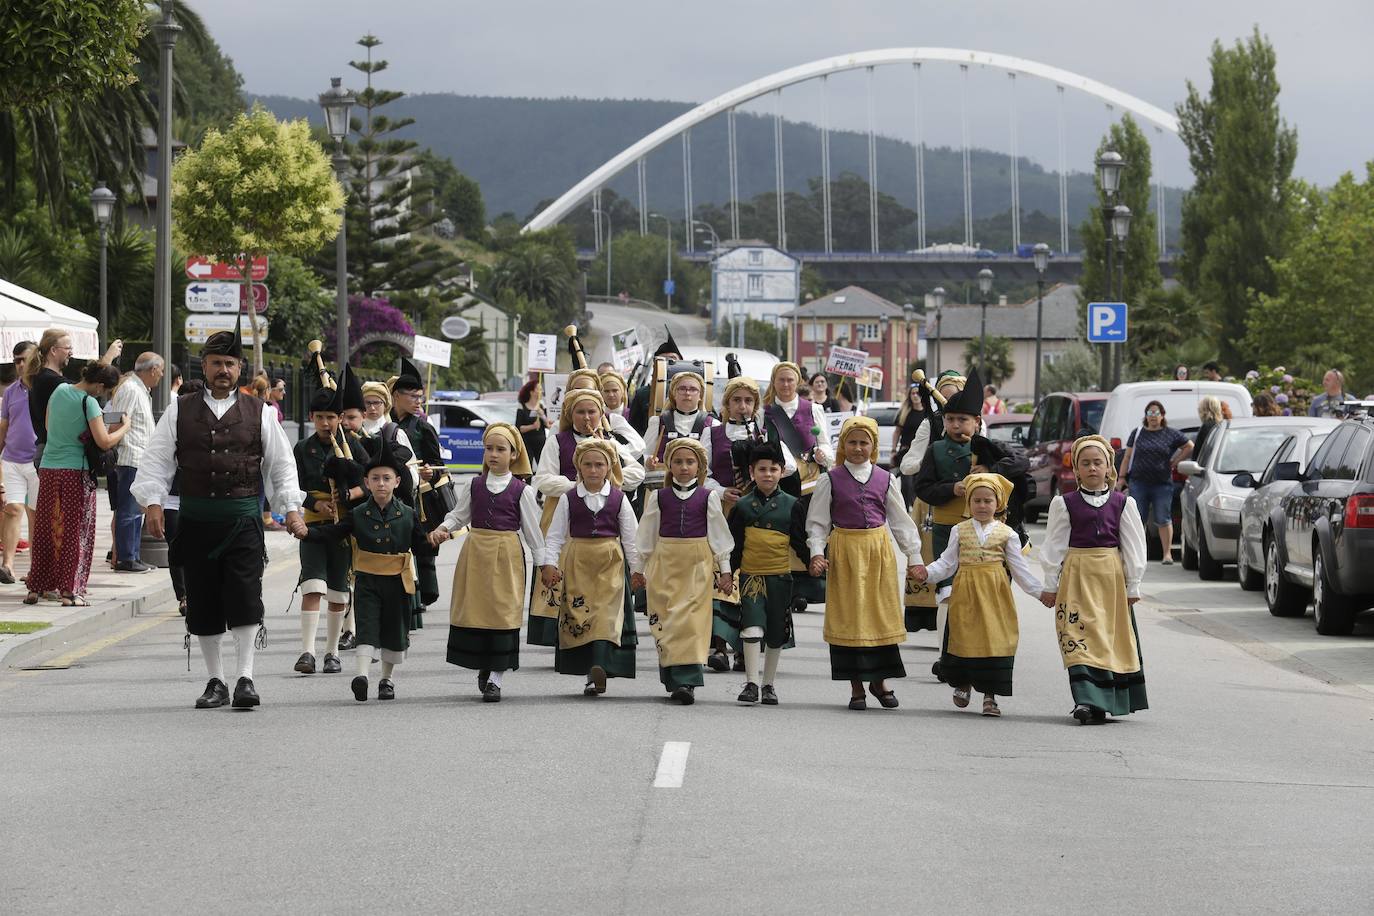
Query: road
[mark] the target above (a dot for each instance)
(1245, 788)
(688, 330)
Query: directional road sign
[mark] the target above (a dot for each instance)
(203, 268)
(225, 298)
(1106, 322)
(199, 327)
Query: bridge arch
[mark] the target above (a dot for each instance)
(727, 101)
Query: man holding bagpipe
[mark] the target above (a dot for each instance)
(435, 496)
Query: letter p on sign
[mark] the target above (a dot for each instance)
(1106, 322)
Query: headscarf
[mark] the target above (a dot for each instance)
(589, 374)
(607, 448)
(1097, 442)
(571, 399)
(865, 425)
(520, 462)
(950, 377)
(682, 377)
(999, 485)
(378, 389)
(735, 384)
(693, 446)
(768, 396)
(610, 377)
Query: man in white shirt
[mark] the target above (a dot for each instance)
(132, 399)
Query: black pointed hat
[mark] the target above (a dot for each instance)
(410, 378)
(970, 399)
(223, 343)
(325, 400)
(766, 451)
(668, 346)
(351, 390)
(390, 455)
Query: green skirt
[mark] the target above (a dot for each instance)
(1110, 691)
(484, 650)
(675, 676)
(866, 663)
(766, 602)
(991, 675)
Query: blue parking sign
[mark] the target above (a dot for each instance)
(1106, 322)
(669, 287)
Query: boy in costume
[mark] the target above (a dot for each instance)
(407, 412)
(1093, 559)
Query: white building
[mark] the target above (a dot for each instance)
(507, 345)
(753, 279)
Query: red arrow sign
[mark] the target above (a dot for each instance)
(202, 268)
(260, 299)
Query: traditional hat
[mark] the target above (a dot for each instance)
(951, 377)
(580, 374)
(520, 460)
(1097, 442)
(668, 346)
(740, 383)
(866, 425)
(325, 400)
(766, 451)
(969, 400)
(999, 485)
(692, 445)
(571, 399)
(351, 390)
(223, 343)
(610, 377)
(607, 448)
(390, 455)
(768, 396)
(410, 378)
(378, 389)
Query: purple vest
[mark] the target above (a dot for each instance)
(667, 429)
(496, 511)
(682, 518)
(583, 523)
(856, 505)
(567, 444)
(1094, 527)
(722, 465)
(801, 421)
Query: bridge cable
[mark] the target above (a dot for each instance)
(825, 166)
(968, 171)
(778, 170)
(643, 198)
(734, 173)
(1063, 181)
(687, 189)
(872, 171)
(1015, 173)
(920, 161)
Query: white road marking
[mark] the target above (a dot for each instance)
(672, 765)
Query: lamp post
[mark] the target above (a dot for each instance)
(668, 283)
(338, 105)
(102, 208)
(610, 243)
(1121, 229)
(937, 296)
(165, 30)
(699, 225)
(908, 316)
(883, 324)
(1041, 254)
(1109, 168)
(984, 287)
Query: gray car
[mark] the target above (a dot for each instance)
(1302, 443)
(1211, 501)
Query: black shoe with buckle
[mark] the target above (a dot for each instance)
(332, 665)
(306, 663)
(770, 696)
(1099, 716)
(491, 693)
(216, 695)
(739, 662)
(685, 695)
(245, 695)
(483, 679)
(1082, 714)
(386, 690)
(359, 686)
(750, 693)
(347, 641)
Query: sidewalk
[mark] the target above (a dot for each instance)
(115, 597)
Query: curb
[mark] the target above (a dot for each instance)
(19, 650)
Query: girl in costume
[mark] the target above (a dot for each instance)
(682, 418)
(980, 642)
(589, 541)
(684, 538)
(1093, 559)
(616, 394)
(580, 379)
(493, 571)
(857, 508)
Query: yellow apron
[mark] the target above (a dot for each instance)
(679, 573)
(593, 605)
(921, 594)
(862, 606)
(489, 582)
(982, 610)
(385, 564)
(1093, 617)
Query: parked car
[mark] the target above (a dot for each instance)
(1008, 428)
(1059, 418)
(1320, 541)
(461, 422)
(1211, 499)
(1302, 443)
(884, 413)
(1125, 408)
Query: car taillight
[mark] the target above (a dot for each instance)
(1116, 442)
(1068, 459)
(1359, 511)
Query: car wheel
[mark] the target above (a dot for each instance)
(1283, 597)
(1333, 613)
(1189, 552)
(1250, 580)
(1207, 567)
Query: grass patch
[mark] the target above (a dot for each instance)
(20, 627)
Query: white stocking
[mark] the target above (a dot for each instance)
(752, 651)
(770, 664)
(209, 650)
(362, 657)
(387, 668)
(495, 678)
(310, 625)
(243, 645)
(335, 625)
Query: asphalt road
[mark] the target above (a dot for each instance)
(607, 319)
(1245, 788)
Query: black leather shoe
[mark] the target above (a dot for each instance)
(245, 697)
(482, 681)
(1099, 716)
(799, 606)
(359, 686)
(718, 661)
(491, 693)
(770, 696)
(935, 670)
(739, 662)
(750, 693)
(685, 696)
(1082, 714)
(386, 690)
(332, 665)
(306, 663)
(347, 641)
(216, 695)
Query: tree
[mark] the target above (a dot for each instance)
(639, 265)
(998, 365)
(1242, 153)
(1077, 369)
(58, 50)
(261, 187)
(457, 196)
(301, 305)
(533, 282)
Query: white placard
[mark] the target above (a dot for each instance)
(844, 361)
(833, 422)
(431, 351)
(543, 355)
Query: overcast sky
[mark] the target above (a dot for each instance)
(694, 51)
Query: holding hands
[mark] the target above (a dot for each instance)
(550, 576)
(725, 583)
(819, 565)
(918, 572)
(637, 581)
(439, 535)
(1048, 599)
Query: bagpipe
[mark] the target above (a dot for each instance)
(579, 359)
(344, 471)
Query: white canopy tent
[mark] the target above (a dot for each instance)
(25, 314)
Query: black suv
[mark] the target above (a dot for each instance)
(1319, 542)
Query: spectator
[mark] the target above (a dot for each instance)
(844, 396)
(42, 374)
(603, 368)
(1181, 373)
(174, 382)
(531, 419)
(1262, 405)
(1211, 372)
(19, 486)
(1331, 402)
(1210, 411)
(820, 393)
(64, 529)
(1152, 453)
(992, 404)
(276, 396)
(133, 399)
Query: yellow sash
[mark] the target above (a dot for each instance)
(982, 610)
(863, 603)
(385, 564)
(680, 574)
(311, 516)
(489, 582)
(952, 512)
(1093, 617)
(766, 552)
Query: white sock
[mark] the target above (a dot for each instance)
(770, 664)
(387, 668)
(334, 630)
(752, 651)
(362, 657)
(495, 678)
(310, 624)
(209, 650)
(243, 645)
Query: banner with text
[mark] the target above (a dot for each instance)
(543, 355)
(431, 351)
(844, 361)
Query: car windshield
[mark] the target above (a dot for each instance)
(1007, 432)
(1091, 414)
(1248, 450)
(493, 413)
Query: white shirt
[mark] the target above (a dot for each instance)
(132, 398)
(549, 480)
(717, 528)
(159, 462)
(1131, 538)
(558, 527)
(824, 454)
(622, 428)
(682, 425)
(911, 461)
(461, 513)
(948, 563)
(899, 521)
(735, 431)
(373, 427)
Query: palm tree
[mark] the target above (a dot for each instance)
(534, 274)
(998, 365)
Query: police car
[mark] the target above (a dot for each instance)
(460, 417)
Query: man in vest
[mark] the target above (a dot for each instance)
(222, 444)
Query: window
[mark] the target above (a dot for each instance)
(1329, 455)
(755, 257)
(811, 331)
(1352, 458)
(867, 331)
(755, 288)
(1049, 358)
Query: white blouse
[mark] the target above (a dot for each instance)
(682, 425)
(461, 513)
(911, 461)
(734, 431)
(1056, 544)
(948, 563)
(549, 480)
(717, 529)
(558, 527)
(633, 440)
(824, 454)
(898, 519)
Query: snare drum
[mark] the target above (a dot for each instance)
(437, 499)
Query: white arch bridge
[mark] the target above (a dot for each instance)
(916, 58)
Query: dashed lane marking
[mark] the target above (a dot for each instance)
(672, 765)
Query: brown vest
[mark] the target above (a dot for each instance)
(219, 458)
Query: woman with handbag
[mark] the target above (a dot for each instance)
(64, 530)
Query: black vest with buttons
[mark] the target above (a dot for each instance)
(219, 458)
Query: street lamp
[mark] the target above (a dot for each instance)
(908, 316)
(338, 105)
(1041, 255)
(701, 224)
(937, 297)
(984, 287)
(1121, 228)
(1109, 168)
(883, 322)
(668, 284)
(102, 208)
(597, 213)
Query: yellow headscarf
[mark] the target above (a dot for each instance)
(608, 449)
(1097, 442)
(682, 377)
(999, 485)
(378, 389)
(735, 384)
(768, 396)
(520, 462)
(610, 377)
(866, 425)
(578, 374)
(691, 445)
(571, 399)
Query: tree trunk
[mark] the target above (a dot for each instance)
(246, 272)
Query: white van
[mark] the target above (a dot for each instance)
(1125, 410)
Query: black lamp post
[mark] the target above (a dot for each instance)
(984, 287)
(1042, 263)
(908, 316)
(1109, 168)
(102, 208)
(1121, 229)
(338, 104)
(883, 324)
(937, 298)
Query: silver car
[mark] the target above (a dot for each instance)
(1211, 501)
(1302, 443)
